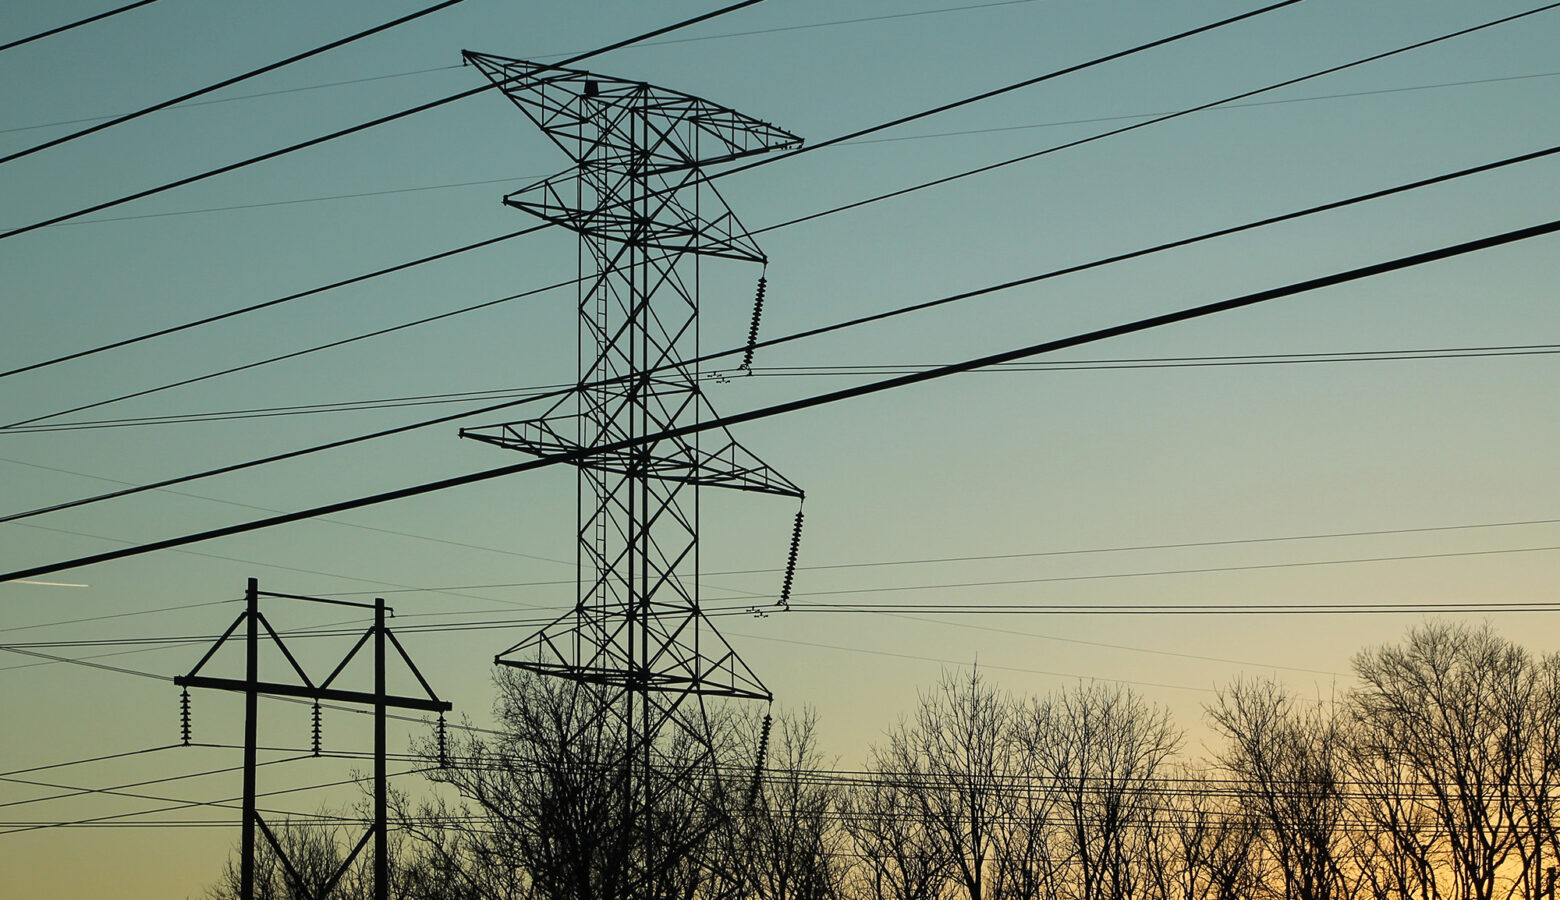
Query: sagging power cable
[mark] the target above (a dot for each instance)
(829, 397)
(901, 191)
(227, 82)
(812, 332)
(60, 29)
(364, 126)
(710, 177)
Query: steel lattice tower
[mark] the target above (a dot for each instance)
(638, 198)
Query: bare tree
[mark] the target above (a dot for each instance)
(901, 857)
(952, 763)
(1453, 705)
(1198, 846)
(544, 807)
(1287, 763)
(1100, 748)
(790, 844)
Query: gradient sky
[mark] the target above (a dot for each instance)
(980, 465)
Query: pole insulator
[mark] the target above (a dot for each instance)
(758, 312)
(316, 727)
(184, 716)
(790, 563)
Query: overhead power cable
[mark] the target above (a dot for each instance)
(966, 173)
(316, 348)
(1079, 365)
(825, 329)
(214, 100)
(965, 132)
(364, 126)
(1082, 365)
(544, 56)
(448, 253)
(59, 29)
(1055, 148)
(270, 67)
(830, 397)
(266, 304)
(90, 759)
(1369, 608)
(1157, 573)
(1017, 85)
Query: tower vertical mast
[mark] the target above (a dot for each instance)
(638, 198)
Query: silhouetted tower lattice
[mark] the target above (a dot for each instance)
(638, 199)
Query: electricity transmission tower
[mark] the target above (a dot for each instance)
(638, 198)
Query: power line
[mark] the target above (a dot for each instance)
(270, 67)
(885, 140)
(252, 506)
(1028, 82)
(850, 323)
(117, 790)
(1417, 45)
(979, 170)
(266, 304)
(830, 397)
(247, 562)
(214, 100)
(364, 126)
(17, 827)
(1170, 362)
(316, 348)
(990, 557)
(306, 409)
(143, 612)
(88, 760)
(1164, 572)
(959, 662)
(708, 37)
(1367, 608)
(1228, 106)
(1081, 365)
(269, 203)
(76, 24)
(944, 623)
(705, 177)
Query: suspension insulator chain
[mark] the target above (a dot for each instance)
(184, 716)
(758, 313)
(316, 728)
(444, 753)
(758, 764)
(790, 563)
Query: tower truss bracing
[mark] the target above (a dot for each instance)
(637, 197)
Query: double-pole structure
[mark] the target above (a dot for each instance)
(252, 686)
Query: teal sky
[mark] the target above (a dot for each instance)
(981, 465)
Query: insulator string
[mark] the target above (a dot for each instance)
(758, 313)
(790, 563)
(758, 763)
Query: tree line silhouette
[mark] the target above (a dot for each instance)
(1437, 775)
